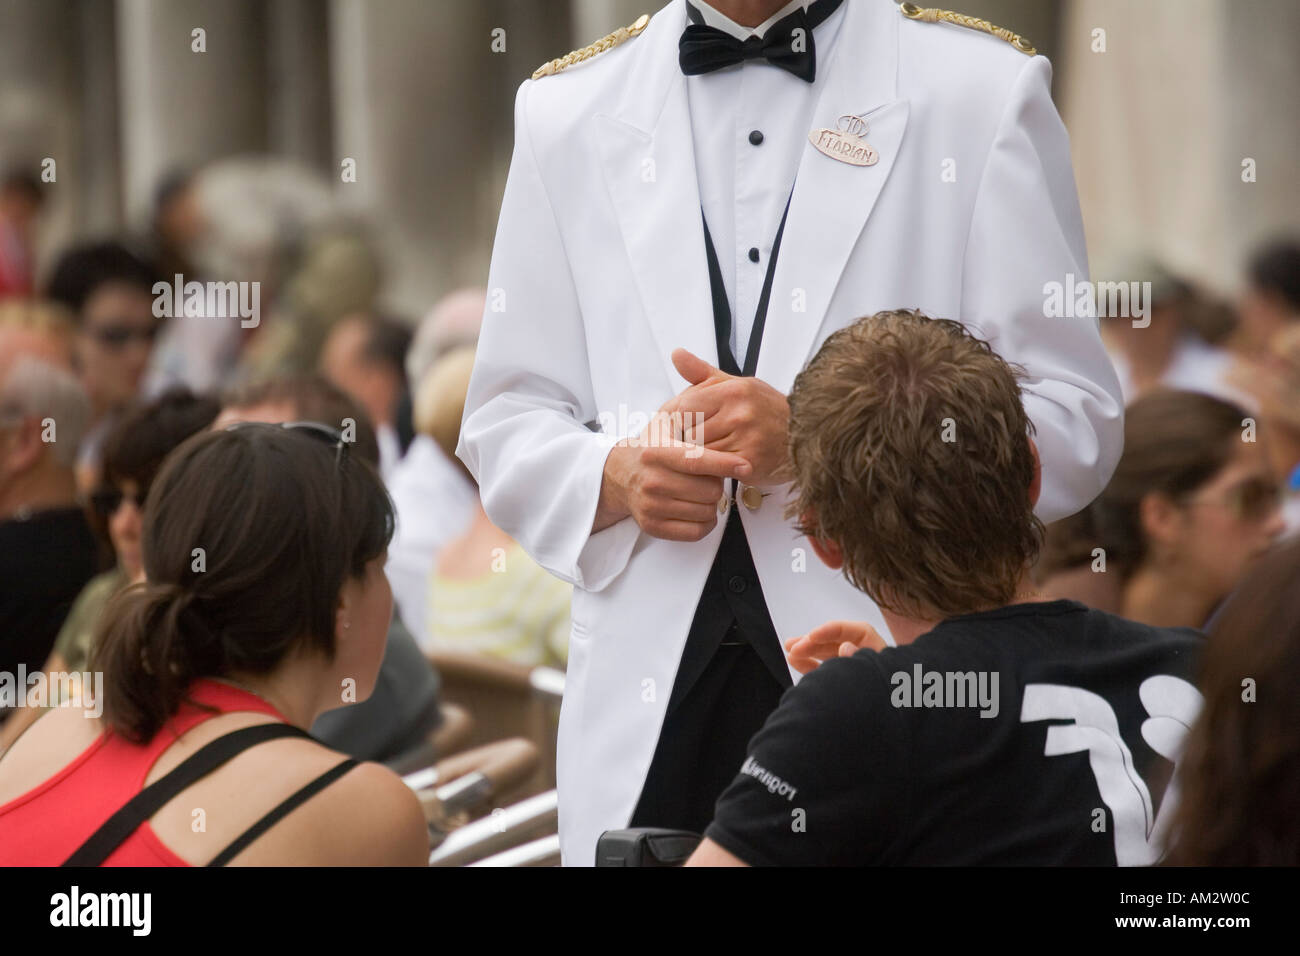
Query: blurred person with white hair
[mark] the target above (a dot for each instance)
(452, 322)
(433, 497)
(486, 595)
(47, 550)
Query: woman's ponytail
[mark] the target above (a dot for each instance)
(152, 643)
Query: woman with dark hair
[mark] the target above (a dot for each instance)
(265, 604)
(1191, 506)
(1240, 771)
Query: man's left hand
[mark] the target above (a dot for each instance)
(733, 413)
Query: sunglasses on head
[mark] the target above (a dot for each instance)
(323, 433)
(119, 336)
(106, 501)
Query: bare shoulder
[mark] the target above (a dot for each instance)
(391, 829)
(366, 817)
(52, 742)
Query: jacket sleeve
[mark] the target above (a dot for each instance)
(1027, 233)
(539, 468)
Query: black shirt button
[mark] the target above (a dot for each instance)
(753, 254)
(737, 584)
(756, 137)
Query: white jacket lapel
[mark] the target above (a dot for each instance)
(832, 199)
(647, 155)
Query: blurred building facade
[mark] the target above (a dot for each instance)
(419, 94)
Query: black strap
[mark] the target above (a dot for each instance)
(274, 817)
(152, 798)
(722, 309)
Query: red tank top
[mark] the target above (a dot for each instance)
(47, 824)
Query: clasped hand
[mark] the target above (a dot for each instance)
(720, 426)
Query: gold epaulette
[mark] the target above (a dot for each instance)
(595, 49)
(931, 15)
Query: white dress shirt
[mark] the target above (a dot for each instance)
(744, 187)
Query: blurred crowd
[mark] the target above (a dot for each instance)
(98, 384)
(1210, 474)
(97, 389)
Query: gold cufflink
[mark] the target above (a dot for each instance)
(723, 504)
(752, 497)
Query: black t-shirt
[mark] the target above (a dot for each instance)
(45, 561)
(1035, 734)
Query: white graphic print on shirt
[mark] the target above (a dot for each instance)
(1173, 705)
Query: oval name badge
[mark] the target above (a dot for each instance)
(846, 143)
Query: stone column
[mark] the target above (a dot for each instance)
(300, 118)
(423, 104)
(1161, 122)
(180, 107)
(40, 97)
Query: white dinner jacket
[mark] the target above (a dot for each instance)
(598, 273)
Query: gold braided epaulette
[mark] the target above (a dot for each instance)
(595, 49)
(931, 15)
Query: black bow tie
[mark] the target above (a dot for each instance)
(703, 49)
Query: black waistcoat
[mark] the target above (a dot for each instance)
(732, 671)
(731, 606)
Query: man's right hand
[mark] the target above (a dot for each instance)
(671, 489)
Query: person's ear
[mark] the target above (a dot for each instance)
(343, 615)
(1159, 518)
(1036, 484)
(827, 550)
(25, 446)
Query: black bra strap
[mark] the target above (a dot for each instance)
(152, 798)
(274, 817)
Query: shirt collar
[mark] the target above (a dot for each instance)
(713, 18)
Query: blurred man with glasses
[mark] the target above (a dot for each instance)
(108, 290)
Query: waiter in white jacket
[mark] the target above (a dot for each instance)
(694, 203)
